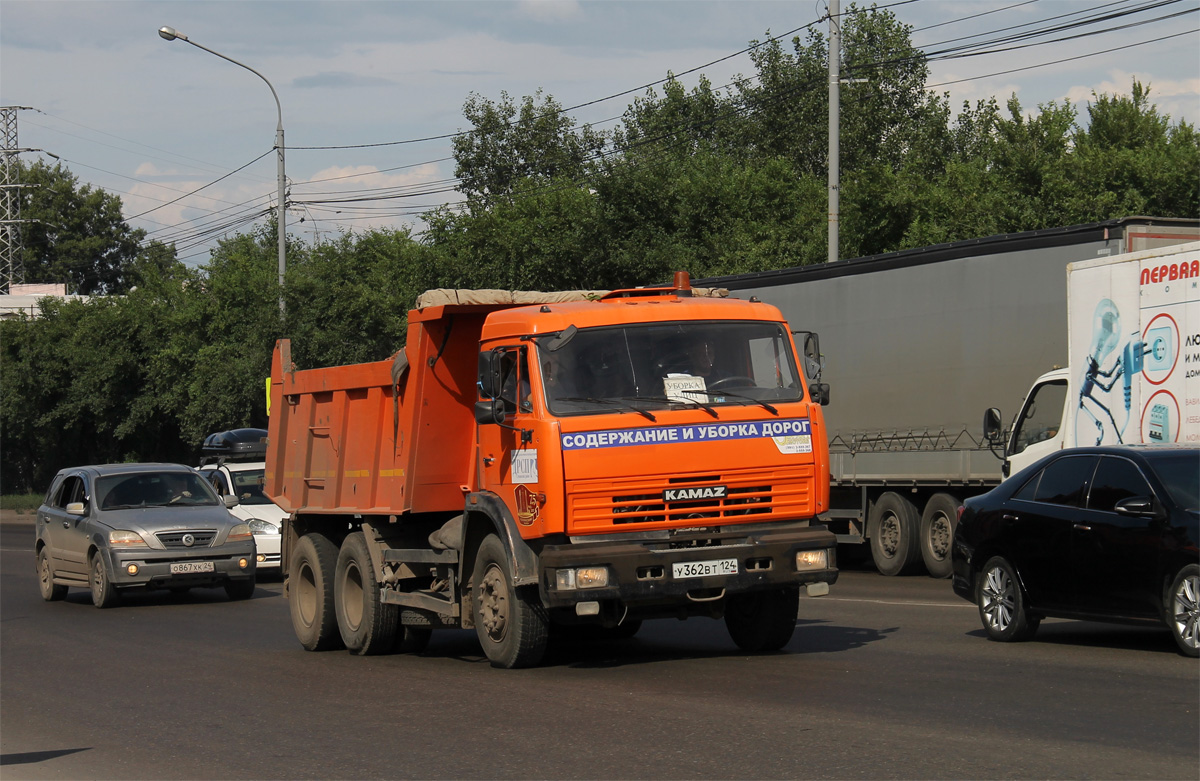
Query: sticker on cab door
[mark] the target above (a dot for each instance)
(527, 505)
(524, 466)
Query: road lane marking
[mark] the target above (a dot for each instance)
(893, 602)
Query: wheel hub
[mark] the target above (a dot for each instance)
(1186, 611)
(998, 602)
(493, 604)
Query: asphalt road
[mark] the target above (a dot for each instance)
(885, 678)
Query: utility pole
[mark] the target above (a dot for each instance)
(835, 80)
(11, 268)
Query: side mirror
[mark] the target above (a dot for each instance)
(75, 508)
(812, 357)
(489, 374)
(492, 411)
(992, 426)
(230, 500)
(819, 391)
(1137, 507)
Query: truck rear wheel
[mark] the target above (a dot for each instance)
(937, 533)
(310, 598)
(512, 626)
(763, 620)
(367, 625)
(893, 527)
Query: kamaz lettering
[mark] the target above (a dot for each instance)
(689, 494)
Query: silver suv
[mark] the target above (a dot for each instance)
(120, 526)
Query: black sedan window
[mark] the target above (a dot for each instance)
(1180, 473)
(1116, 479)
(1065, 481)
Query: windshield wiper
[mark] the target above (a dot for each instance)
(618, 402)
(759, 402)
(693, 402)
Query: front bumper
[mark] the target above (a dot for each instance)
(641, 570)
(230, 562)
(268, 551)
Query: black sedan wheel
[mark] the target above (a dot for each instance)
(1183, 610)
(1002, 603)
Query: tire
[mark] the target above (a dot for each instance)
(763, 620)
(310, 597)
(937, 534)
(104, 593)
(511, 624)
(51, 591)
(894, 528)
(1183, 610)
(239, 589)
(367, 626)
(1002, 608)
(412, 639)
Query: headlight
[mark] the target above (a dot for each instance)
(121, 538)
(239, 533)
(810, 560)
(581, 577)
(262, 527)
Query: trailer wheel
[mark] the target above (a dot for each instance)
(937, 533)
(367, 625)
(311, 593)
(512, 625)
(763, 620)
(894, 528)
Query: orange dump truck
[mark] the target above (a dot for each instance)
(531, 461)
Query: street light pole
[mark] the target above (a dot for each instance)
(171, 34)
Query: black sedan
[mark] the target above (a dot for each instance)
(1102, 534)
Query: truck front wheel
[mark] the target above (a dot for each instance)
(763, 620)
(310, 598)
(367, 625)
(512, 626)
(893, 527)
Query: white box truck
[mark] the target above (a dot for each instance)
(918, 343)
(1133, 372)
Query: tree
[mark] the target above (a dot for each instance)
(509, 145)
(75, 234)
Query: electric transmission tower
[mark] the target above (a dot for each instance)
(11, 271)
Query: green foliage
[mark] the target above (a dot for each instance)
(75, 234)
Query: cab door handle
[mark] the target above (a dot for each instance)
(1010, 517)
(1083, 527)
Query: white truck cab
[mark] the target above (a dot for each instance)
(1133, 341)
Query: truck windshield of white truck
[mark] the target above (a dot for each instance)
(659, 365)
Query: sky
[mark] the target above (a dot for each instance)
(152, 121)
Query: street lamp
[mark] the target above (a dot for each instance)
(170, 34)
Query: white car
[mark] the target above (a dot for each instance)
(244, 480)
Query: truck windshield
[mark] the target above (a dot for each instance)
(657, 365)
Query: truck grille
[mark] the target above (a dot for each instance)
(202, 538)
(748, 498)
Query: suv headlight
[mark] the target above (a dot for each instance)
(123, 538)
(262, 527)
(239, 533)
